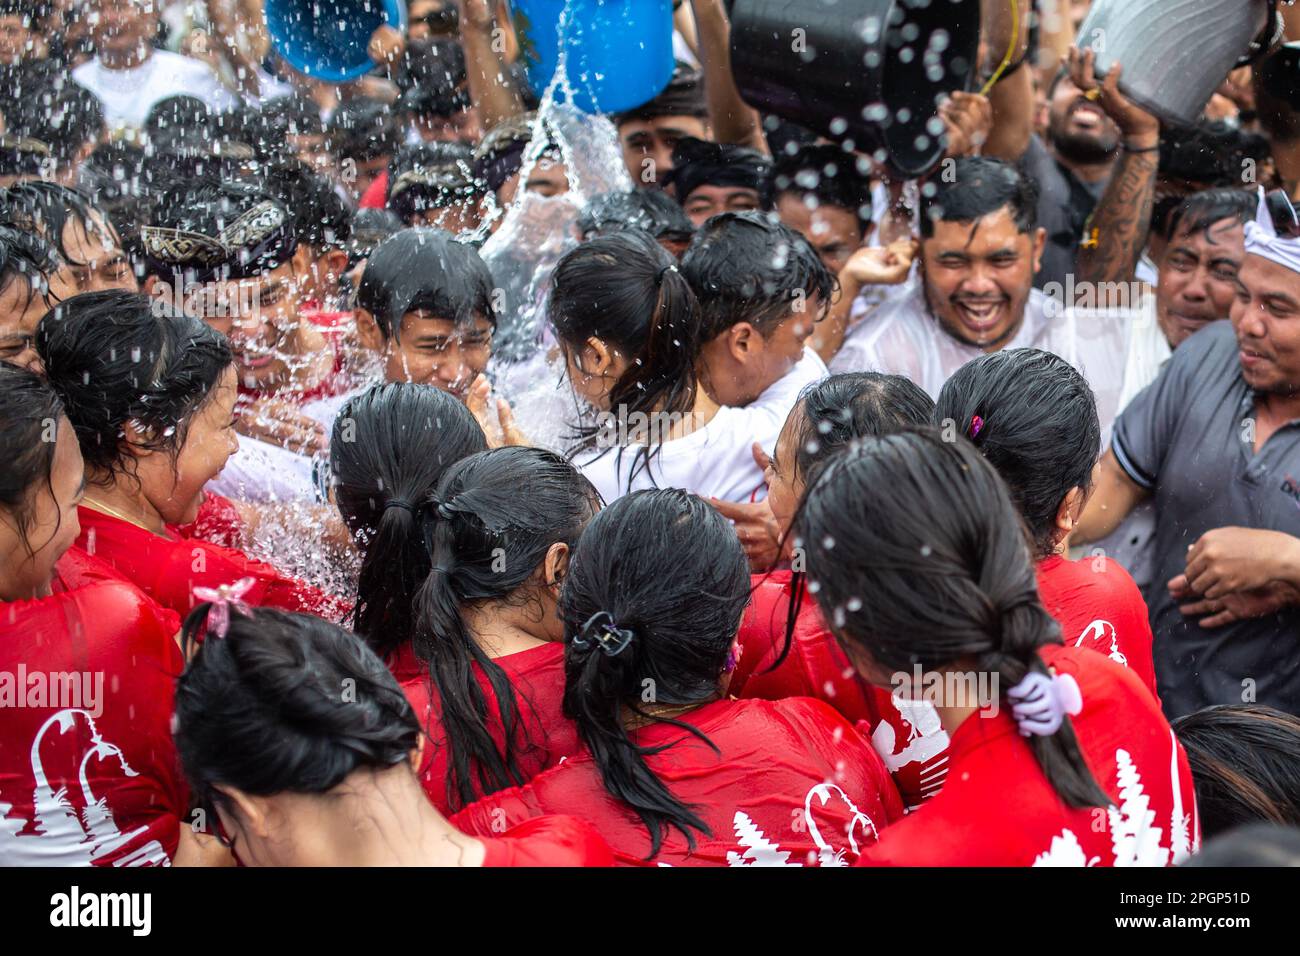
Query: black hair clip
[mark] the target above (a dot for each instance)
(600, 627)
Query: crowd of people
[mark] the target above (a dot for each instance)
(376, 492)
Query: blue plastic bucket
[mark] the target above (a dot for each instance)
(327, 39)
(618, 53)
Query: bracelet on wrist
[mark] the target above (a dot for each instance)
(1140, 149)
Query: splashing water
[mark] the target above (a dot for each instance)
(535, 231)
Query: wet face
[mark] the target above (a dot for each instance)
(14, 39)
(1266, 318)
(1198, 278)
(175, 486)
(455, 218)
(366, 172)
(978, 277)
(436, 351)
(21, 309)
(95, 257)
(648, 145)
(547, 178)
(261, 321)
(833, 231)
(742, 363)
(707, 201)
(1078, 127)
(460, 127)
(27, 559)
(784, 487)
(124, 26)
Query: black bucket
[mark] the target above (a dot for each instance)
(869, 71)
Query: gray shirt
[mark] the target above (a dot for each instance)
(1189, 439)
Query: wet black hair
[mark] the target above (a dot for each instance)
(1201, 210)
(283, 703)
(119, 357)
(1037, 425)
(45, 209)
(172, 113)
(63, 115)
(683, 96)
(1257, 844)
(830, 416)
(626, 290)
(423, 268)
(364, 129)
(698, 162)
(487, 528)
(27, 258)
(29, 415)
(1245, 763)
(842, 409)
(321, 218)
(433, 79)
(369, 228)
(667, 570)
(1211, 153)
(650, 209)
(936, 569)
(389, 448)
(426, 176)
(750, 267)
(978, 187)
(825, 174)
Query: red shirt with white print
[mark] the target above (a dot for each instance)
(1099, 606)
(545, 735)
(791, 784)
(1095, 602)
(998, 809)
(169, 568)
(88, 771)
(549, 841)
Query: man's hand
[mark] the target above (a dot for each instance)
(880, 265)
(280, 422)
(1139, 128)
(1231, 560)
(757, 530)
(1236, 606)
(476, 13)
(386, 45)
(967, 118)
(502, 431)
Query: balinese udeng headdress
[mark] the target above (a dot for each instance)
(255, 241)
(1263, 239)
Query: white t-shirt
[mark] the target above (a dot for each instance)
(903, 338)
(714, 461)
(128, 95)
(263, 473)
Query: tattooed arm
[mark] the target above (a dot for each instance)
(1117, 230)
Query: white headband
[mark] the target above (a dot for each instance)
(1262, 239)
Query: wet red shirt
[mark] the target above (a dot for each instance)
(549, 841)
(794, 785)
(1099, 606)
(1099, 609)
(168, 569)
(88, 771)
(997, 808)
(546, 737)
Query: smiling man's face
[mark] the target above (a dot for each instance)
(978, 277)
(1266, 318)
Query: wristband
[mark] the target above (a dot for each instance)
(1145, 149)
